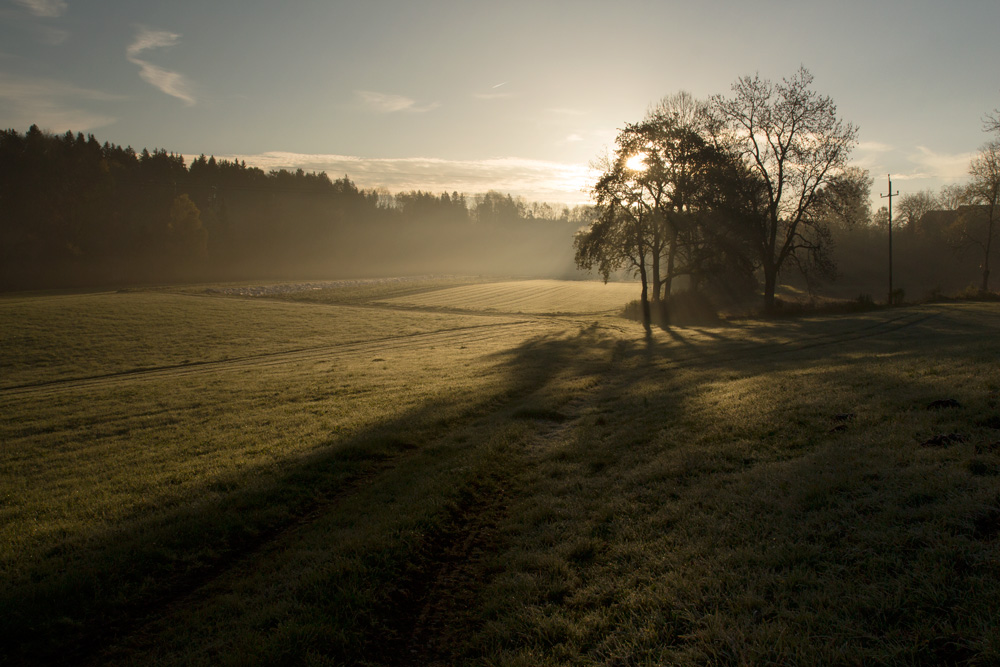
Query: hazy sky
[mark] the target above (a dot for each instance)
(518, 96)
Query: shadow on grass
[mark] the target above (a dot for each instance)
(794, 506)
(97, 588)
(724, 518)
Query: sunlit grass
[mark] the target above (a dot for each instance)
(526, 296)
(58, 337)
(371, 290)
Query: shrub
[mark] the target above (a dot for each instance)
(974, 293)
(687, 308)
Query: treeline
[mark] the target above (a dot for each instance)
(942, 243)
(945, 251)
(76, 212)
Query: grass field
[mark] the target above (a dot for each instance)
(540, 297)
(447, 471)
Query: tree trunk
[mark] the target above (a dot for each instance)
(644, 299)
(770, 281)
(986, 255)
(657, 282)
(668, 282)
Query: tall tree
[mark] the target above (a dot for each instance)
(677, 160)
(185, 236)
(496, 208)
(977, 223)
(672, 200)
(845, 202)
(790, 137)
(622, 233)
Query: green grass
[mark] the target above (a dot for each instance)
(358, 484)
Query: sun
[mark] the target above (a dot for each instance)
(637, 162)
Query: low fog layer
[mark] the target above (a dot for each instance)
(79, 213)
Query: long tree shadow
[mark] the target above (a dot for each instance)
(785, 489)
(94, 589)
(102, 586)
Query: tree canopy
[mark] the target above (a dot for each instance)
(714, 191)
(791, 140)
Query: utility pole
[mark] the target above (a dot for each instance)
(890, 196)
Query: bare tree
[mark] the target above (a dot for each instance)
(991, 122)
(977, 224)
(790, 137)
(952, 196)
(911, 208)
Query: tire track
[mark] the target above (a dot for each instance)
(442, 605)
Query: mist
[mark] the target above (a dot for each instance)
(79, 213)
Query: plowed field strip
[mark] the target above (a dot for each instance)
(535, 297)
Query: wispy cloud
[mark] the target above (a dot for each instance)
(536, 180)
(918, 166)
(386, 103)
(52, 105)
(942, 166)
(494, 93)
(871, 155)
(44, 8)
(171, 83)
(493, 96)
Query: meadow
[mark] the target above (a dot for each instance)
(454, 471)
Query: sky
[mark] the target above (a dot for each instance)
(519, 96)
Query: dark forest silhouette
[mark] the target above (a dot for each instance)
(76, 212)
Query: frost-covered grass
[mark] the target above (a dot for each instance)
(758, 493)
(786, 505)
(59, 337)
